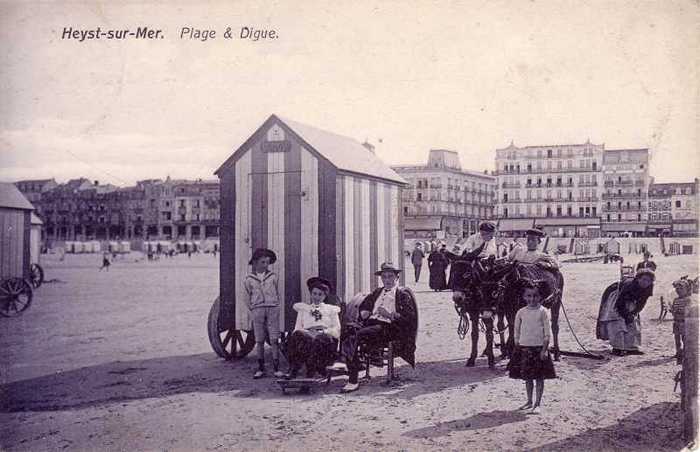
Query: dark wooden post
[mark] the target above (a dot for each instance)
(690, 373)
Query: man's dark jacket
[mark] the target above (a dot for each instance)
(405, 327)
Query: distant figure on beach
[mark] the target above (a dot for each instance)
(437, 264)
(417, 260)
(105, 262)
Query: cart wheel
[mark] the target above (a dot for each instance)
(36, 275)
(15, 296)
(228, 343)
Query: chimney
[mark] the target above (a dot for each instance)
(369, 146)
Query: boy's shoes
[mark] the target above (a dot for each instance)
(635, 352)
(259, 374)
(350, 387)
(278, 374)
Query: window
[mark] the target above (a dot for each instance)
(549, 153)
(420, 197)
(678, 203)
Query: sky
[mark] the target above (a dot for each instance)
(407, 76)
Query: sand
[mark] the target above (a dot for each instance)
(120, 360)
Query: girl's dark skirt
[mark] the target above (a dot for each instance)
(525, 364)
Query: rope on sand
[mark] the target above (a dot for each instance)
(573, 333)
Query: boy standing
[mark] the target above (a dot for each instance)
(683, 289)
(263, 302)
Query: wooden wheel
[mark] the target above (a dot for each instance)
(15, 296)
(36, 275)
(228, 343)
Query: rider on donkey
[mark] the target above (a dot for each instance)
(468, 296)
(530, 254)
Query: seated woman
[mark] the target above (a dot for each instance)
(314, 342)
(618, 318)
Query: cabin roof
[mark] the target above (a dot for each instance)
(345, 153)
(12, 198)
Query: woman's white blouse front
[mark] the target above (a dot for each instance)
(321, 315)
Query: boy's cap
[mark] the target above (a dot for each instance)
(262, 252)
(682, 283)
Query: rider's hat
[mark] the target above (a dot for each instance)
(487, 226)
(387, 267)
(536, 232)
(262, 252)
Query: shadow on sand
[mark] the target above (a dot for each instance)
(133, 380)
(121, 381)
(476, 422)
(656, 427)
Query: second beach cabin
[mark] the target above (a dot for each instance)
(324, 203)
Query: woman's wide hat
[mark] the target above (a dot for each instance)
(321, 283)
(263, 252)
(387, 267)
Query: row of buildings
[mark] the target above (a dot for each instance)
(578, 190)
(152, 209)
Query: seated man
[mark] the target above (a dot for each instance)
(387, 314)
(530, 255)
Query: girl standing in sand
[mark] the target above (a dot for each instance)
(531, 360)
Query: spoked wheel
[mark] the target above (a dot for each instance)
(36, 275)
(15, 296)
(228, 343)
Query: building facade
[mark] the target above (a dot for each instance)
(442, 199)
(626, 184)
(673, 208)
(33, 189)
(555, 187)
(152, 209)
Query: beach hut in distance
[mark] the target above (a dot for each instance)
(16, 291)
(324, 203)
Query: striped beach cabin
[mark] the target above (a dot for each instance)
(324, 203)
(15, 226)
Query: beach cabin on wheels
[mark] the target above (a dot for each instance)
(324, 203)
(16, 290)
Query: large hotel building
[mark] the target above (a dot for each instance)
(574, 190)
(443, 200)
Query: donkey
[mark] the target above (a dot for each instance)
(474, 299)
(507, 297)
